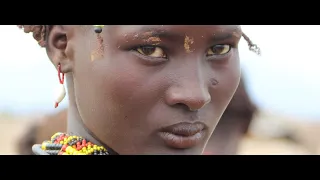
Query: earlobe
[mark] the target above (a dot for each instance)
(57, 43)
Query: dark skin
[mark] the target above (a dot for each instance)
(123, 98)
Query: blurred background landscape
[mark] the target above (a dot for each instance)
(283, 83)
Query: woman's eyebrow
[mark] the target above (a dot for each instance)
(156, 32)
(148, 31)
(216, 37)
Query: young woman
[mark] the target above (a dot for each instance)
(141, 89)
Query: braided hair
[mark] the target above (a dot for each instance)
(40, 35)
(38, 31)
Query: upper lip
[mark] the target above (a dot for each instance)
(184, 129)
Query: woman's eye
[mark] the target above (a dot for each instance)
(151, 51)
(219, 49)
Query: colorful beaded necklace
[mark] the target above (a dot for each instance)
(64, 144)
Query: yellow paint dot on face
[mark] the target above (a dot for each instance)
(187, 43)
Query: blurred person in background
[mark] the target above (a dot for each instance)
(40, 130)
(233, 125)
(225, 140)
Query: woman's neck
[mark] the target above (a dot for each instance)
(75, 124)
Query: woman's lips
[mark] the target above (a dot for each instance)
(183, 135)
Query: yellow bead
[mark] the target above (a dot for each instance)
(99, 26)
(43, 146)
(61, 142)
(68, 149)
(84, 148)
(89, 146)
(64, 153)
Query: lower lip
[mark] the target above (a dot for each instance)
(182, 142)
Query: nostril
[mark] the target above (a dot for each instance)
(182, 106)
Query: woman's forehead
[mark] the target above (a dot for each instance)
(175, 29)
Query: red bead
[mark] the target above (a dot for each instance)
(89, 143)
(64, 147)
(79, 148)
(78, 144)
(84, 141)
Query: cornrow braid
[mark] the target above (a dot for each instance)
(40, 32)
(252, 47)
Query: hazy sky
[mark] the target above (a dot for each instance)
(284, 79)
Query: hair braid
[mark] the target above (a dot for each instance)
(38, 31)
(252, 47)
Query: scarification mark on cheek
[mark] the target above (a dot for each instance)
(187, 44)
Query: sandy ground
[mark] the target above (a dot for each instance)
(256, 146)
(11, 130)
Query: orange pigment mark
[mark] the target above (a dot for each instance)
(98, 53)
(153, 39)
(187, 43)
(147, 34)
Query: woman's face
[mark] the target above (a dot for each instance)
(155, 89)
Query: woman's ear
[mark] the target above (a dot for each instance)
(57, 43)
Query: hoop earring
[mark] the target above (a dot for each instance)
(60, 91)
